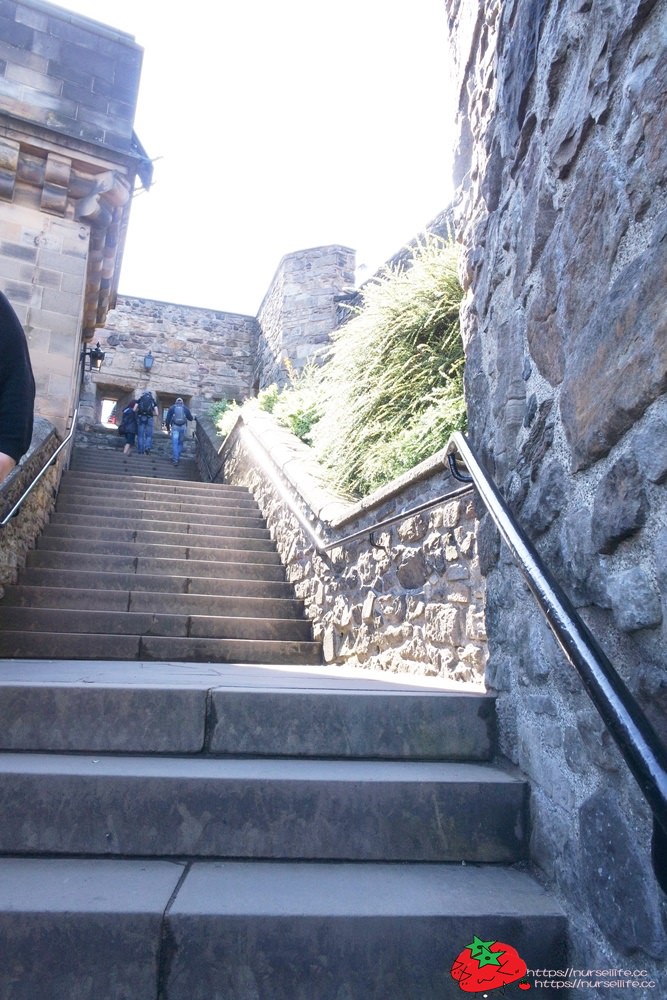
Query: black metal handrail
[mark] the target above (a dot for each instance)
(636, 739)
(26, 493)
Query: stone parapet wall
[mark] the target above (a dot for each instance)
(300, 310)
(20, 533)
(409, 600)
(562, 173)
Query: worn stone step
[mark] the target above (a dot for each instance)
(172, 623)
(239, 710)
(162, 469)
(157, 520)
(177, 536)
(127, 489)
(235, 565)
(281, 931)
(106, 482)
(260, 551)
(74, 577)
(143, 507)
(260, 931)
(79, 646)
(91, 599)
(83, 930)
(261, 808)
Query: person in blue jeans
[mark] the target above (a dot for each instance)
(146, 410)
(176, 423)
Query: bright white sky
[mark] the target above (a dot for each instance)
(279, 125)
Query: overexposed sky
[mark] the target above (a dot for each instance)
(278, 125)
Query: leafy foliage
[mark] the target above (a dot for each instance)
(391, 391)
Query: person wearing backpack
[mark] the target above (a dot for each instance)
(128, 425)
(176, 423)
(146, 410)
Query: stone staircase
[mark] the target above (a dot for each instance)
(268, 830)
(139, 561)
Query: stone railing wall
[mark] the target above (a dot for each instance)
(18, 536)
(409, 600)
(562, 173)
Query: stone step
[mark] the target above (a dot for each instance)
(259, 931)
(108, 481)
(127, 505)
(239, 711)
(56, 529)
(235, 549)
(236, 565)
(75, 577)
(130, 489)
(261, 808)
(154, 520)
(137, 601)
(78, 646)
(161, 623)
(148, 466)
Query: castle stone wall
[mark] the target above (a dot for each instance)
(299, 311)
(562, 167)
(200, 354)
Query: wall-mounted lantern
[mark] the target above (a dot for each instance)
(96, 355)
(148, 361)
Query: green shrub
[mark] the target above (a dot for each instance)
(393, 391)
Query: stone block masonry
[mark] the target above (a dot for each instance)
(69, 159)
(411, 599)
(562, 171)
(200, 354)
(300, 310)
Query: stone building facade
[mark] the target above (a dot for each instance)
(69, 159)
(562, 170)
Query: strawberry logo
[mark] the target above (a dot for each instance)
(488, 965)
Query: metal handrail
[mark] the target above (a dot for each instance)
(42, 471)
(320, 544)
(636, 739)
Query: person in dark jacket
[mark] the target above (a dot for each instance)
(128, 425)
(17, 390)
(176, 423)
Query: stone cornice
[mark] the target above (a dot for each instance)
(82, 188)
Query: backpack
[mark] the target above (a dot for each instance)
(146, 405)
(178, 417)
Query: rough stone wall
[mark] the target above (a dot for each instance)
(199, 354)
(561, 166)
(18, 536)
(411, 599)
(299, 311)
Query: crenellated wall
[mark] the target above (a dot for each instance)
(561, 169)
